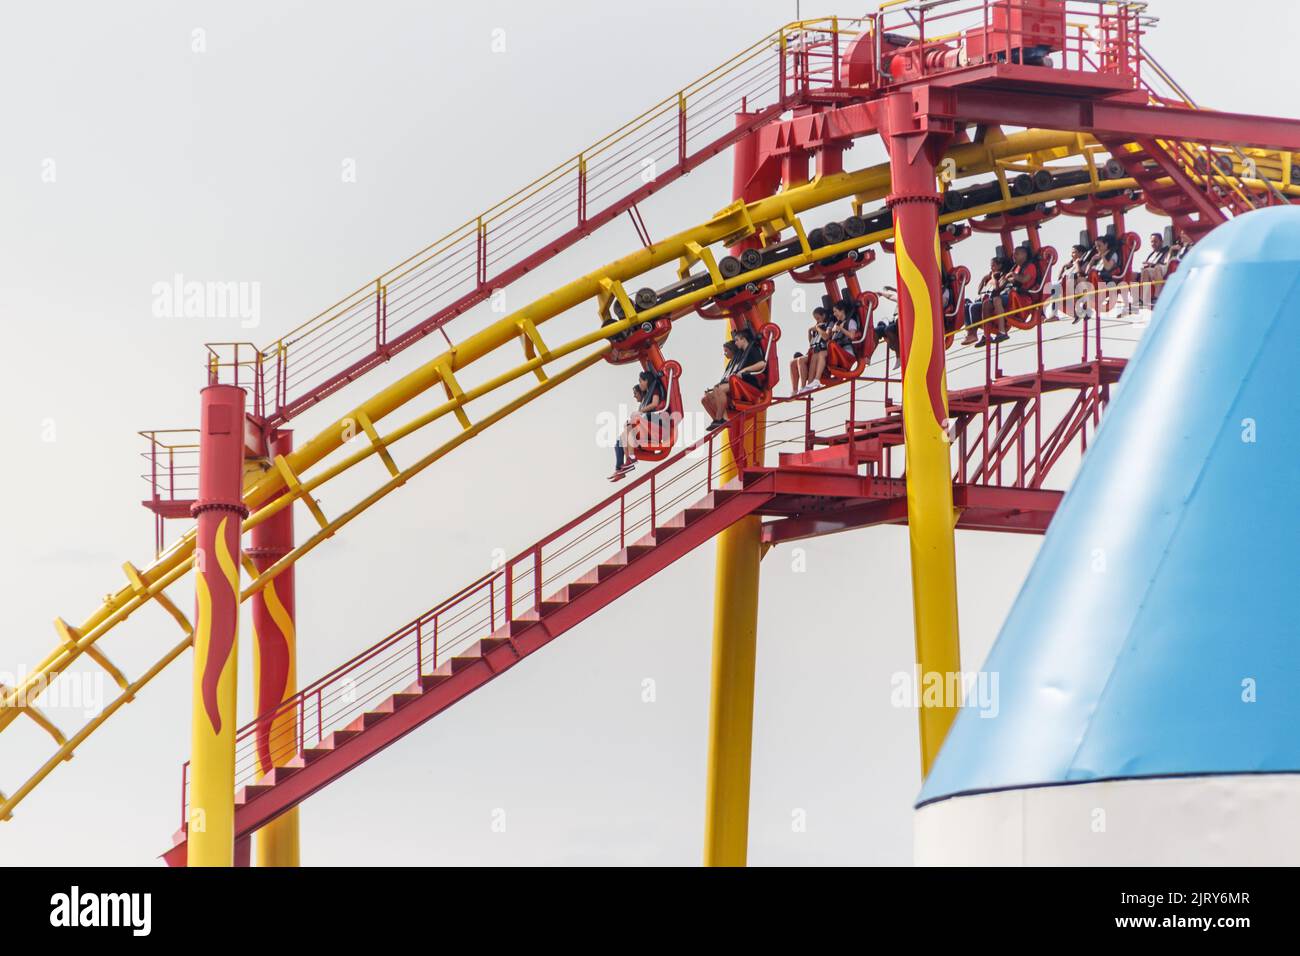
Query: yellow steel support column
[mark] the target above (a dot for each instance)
(915, 141)
(731, 707)
(731, 698)
(735, 608)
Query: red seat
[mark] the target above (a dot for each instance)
(955, 316)
(1124, 276)
(1158, 287)
(745, 397)
(655, 441)
(840, 365)
(1128, 252)
(1034, 295)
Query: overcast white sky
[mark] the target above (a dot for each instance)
(225, 165)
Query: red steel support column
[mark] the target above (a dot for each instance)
(915, 133)
(275, 666)
(219, 512)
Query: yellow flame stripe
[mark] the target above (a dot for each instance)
(929, 513)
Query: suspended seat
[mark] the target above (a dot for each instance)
(656, 431)
(1128, 253)
(1034, 295)
(746, 397)
(954, 317)
(841, 366)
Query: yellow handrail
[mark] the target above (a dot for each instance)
(564, 169)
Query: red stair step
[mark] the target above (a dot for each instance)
(279, 775)
(336, 739)
(397, 701)
(610, 567)
(366, 721)
(251, 792)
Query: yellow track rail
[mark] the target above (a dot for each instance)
(310, 467)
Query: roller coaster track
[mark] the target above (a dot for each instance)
(404, 310)
(490, 625)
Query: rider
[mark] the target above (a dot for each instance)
(748, 365)
(1103, 269)
(625, 447)
(1062, 292)
(1022, 277)
(806, 370)
(846, 327)
(648, 421)
(1154, 268)
(988, 287)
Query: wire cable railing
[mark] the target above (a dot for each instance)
(486, 253)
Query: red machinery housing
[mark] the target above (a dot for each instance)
(1019, 30)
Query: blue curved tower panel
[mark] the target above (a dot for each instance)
(1155, 645)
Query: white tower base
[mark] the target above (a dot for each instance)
(1236, 820)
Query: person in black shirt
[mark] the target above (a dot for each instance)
(846, 329)
(1012, 294)
(749, 365)
(648, 421)
(653, 387)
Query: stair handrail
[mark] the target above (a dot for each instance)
(490, 584)
(464, 249)
(1234, 182)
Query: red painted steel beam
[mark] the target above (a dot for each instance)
(983, 508)
(1098, 111)
(1131, 120)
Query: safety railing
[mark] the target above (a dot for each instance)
(1100, 36)
(463, 268)
(1220, 171)
(171, 460)
(1028, 362)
